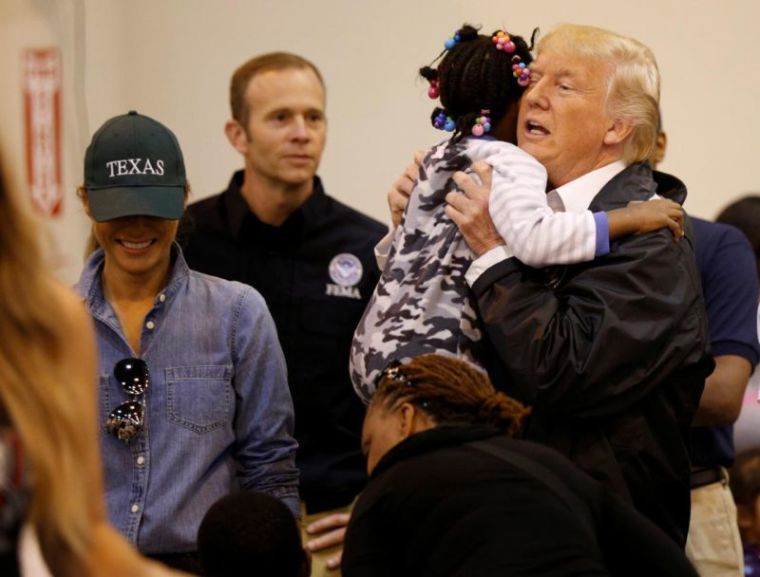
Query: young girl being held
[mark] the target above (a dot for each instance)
(422, 303)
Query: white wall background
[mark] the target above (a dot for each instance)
(172, 59)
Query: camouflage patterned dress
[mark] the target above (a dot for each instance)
(422, 303)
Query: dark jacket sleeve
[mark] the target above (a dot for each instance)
(593, 339)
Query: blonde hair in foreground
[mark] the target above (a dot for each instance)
(633, 93)
(46, 409)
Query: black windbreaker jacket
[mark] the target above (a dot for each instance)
(612, 354)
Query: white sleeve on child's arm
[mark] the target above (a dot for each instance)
(534, 233)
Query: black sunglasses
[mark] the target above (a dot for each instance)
(126, 421)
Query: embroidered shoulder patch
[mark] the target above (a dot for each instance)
(345, 269)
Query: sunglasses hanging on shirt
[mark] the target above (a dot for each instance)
(126, 421)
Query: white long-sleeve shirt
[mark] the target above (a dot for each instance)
(534, 233)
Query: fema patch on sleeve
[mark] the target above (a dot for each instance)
(345, 269)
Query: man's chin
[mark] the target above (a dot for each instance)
(298, 177)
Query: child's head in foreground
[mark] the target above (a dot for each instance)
(250, 533)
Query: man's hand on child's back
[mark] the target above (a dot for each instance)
(469, 209)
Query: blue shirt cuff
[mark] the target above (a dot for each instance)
(602, 234)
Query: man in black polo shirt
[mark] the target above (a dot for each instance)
(310, 256)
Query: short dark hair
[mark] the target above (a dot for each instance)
(744, 214)
(264, 63)
(249, 532)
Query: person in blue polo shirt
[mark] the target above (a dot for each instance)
(726, 264)
(193, 389)
(729, 282)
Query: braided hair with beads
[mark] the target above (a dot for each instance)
(477, 79)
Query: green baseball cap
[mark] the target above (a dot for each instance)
(134, 167)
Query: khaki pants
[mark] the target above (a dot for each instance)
(714, 546)
(319, 559)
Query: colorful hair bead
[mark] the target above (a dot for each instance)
(452, 41)
(520, 71)
(444, 122)
(482, 124)
(503, 42)
(433, 91)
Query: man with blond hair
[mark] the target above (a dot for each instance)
(611, 353)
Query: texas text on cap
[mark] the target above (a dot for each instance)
(133, 167)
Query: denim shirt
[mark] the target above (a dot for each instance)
(218, 415)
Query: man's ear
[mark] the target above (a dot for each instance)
(617, 131)
(236, 135)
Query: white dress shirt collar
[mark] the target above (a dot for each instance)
(578, 194)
